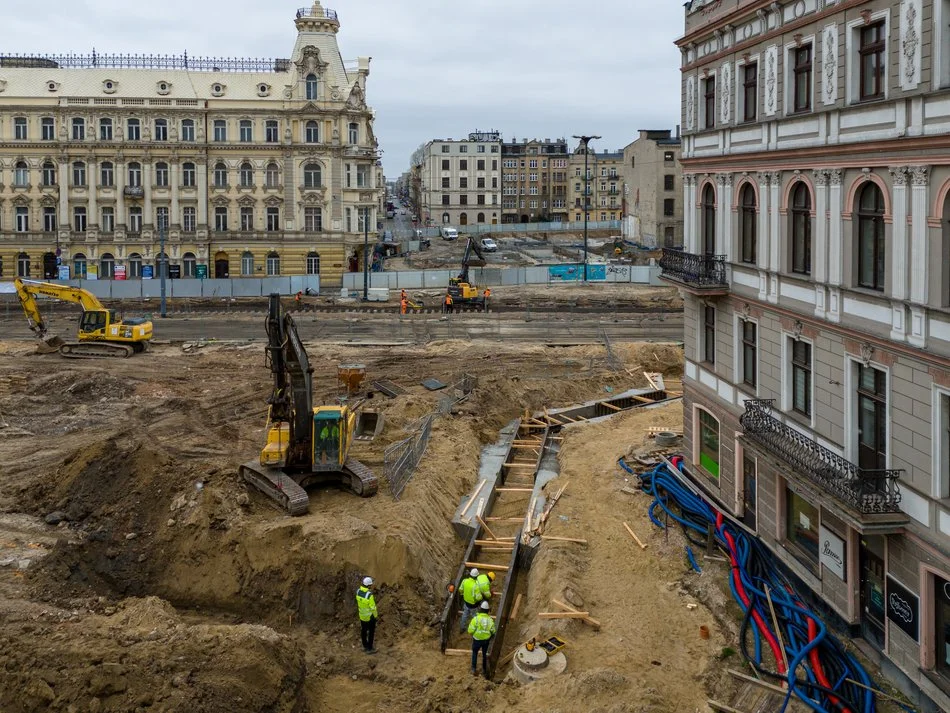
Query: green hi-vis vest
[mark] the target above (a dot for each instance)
(481, 627)
(470, 591)
(366, 604)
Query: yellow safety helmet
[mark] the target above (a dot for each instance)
(491, 576)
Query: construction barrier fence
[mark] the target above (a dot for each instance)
(401, 458)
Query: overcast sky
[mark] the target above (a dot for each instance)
(440, 69)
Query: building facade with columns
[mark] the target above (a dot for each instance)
(254, 167)
(816, 278)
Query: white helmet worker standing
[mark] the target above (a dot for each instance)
(486, 606)
(366, 605)
(473, 573)
(367, 581)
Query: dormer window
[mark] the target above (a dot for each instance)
(311, 87)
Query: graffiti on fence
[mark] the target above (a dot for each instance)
(567, 273)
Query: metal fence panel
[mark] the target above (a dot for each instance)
(411, 279)
(216, 288)
(401, 459)
(124, 289)
(537, 274)
(184, 288)
(249, 288)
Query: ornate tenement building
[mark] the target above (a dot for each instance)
(534, 181)
(816, 279)
(256, 167)
(458, 180)
(606, 185)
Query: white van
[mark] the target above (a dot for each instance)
(449, 233)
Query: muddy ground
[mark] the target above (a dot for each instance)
(139, 574)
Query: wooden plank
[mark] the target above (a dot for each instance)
(510, 655)
(469, 502)
(643, 399)
(610, 406)
(532, 466)
(757, 682)
(487, 528)
(458, 652)
(634, 536)
(506, 489)
(509, 548)
(564, 615)
(589, 620)
(777, 630)
(563, 539)
(503, 519)
(875, 691)
(652, 382)
(496, 543)
(486, 566)
(515, 608)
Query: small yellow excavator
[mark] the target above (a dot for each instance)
(101, 332)
(462, 291)
(306, 444)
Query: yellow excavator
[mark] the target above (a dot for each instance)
(461, 290)
(101, 332)
(306, 444)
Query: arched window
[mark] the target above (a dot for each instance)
(187, 129)
(161, 174)
(161, 130)
(21, 174)
(312, 132)
(445, 218)
(79, 173)
(871, 237)
(188, 175)
(135, 266)
(311, 175)
(188, 264)
(106, 174)
(272, 175)
(273, 263)
(79, 266)
(220, 175)
(311, 87)
(247, 263)
(23, 265)
(135, 174)
(709, 220)
(247, 175)
(463, 218)
(480, 218)
(747, 219)
(106, 266)
(313, 263)
(801, 229)
(49, 173)
(105, 129)
(133, 130)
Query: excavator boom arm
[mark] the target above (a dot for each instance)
(27, 291)
(470, 247)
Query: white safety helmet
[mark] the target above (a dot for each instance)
(486, 606)
(367, 581)
(473, 573)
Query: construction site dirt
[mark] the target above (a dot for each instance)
(140, 574)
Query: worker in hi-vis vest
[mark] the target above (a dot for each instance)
(471, 597)
(482, 628)
(366, 603)
(484, 582)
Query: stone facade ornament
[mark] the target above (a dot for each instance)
(821, 177)
(834, 176)
(867, 351)
(690, 103)
(898, 175)
(771, 80)
(920, 175)
(910, 44)
(726, 92)
(310, 62)
(829, 77)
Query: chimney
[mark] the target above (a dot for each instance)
(677, 131)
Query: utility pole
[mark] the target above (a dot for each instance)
(585, 140)
(366, 255)
(162, 262)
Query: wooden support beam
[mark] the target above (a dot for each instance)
(563, 539)
(487, 528)
(634, 536)
(502, 548)
(503, 519)
(564, 615)
(610, 406)
(722, 707)
(458, 652)
(505, 489)
(532, 466)
(652, 382)
(510, 655)
(486, 566)
(500, 542)
(643, 399)
(515, 608)
(757, 682)
(468, 503)
(593, 622)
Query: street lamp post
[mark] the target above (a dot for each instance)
(585, 140)
(365, 253)
(162, 263)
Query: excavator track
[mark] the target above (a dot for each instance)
(362, 480)
(96, 350)
(276, 485)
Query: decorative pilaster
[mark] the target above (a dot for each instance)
(819, 251)
(201, 171)
(64, 181)
(834, 226)
(727, 241)
(174, 219)
(899, 232)
(92, 176)
(120, 217)
(775, 243)
(689, 208)
(919, 245)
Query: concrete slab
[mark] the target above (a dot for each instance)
(489, 474)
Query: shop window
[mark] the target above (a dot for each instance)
(709, 444)
(801, 526)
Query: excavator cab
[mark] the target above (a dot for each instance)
(332, 435)
(95, 322)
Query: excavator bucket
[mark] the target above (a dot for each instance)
(50, 344)
(369, 424)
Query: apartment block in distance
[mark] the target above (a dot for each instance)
(459, 180)
(605, 184)
(816, 276)
(654, 189)
(253, 167)
(534, 181)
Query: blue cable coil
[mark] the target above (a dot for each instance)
(826, 687)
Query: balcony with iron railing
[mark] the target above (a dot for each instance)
(696, 274)
(872, 497)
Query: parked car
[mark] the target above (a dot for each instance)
(448, 232)
(489, 245)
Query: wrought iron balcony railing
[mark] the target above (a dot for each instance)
(147, 61)
(695, 270)
(867, 491)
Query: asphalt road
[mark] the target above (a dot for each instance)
(394, 329)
